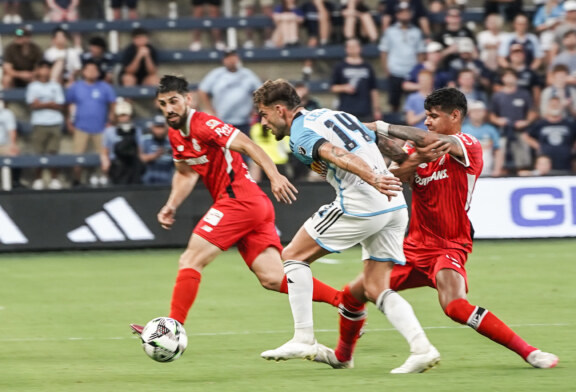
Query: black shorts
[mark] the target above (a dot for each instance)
(207, 2)
(132, 4)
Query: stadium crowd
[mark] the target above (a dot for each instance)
(517, 69)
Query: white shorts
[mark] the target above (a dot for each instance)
(381, 236)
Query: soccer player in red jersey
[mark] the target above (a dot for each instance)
(205, 147)
(442, 170)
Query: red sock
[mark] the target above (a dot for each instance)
(483, 321)
(184, 293)
(351, 320)
(322, 292)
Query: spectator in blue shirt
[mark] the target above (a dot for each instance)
(433, 62)
(414, 105)
(226, 92)
(401, 48)
(476, 125)
(90, 105)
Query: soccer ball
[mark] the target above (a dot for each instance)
(164, 339)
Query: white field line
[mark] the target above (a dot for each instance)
(240, 333)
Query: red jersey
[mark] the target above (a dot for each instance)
(204, 145)
(441, 196)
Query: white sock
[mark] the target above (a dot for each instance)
(402, 317)
(300, 286)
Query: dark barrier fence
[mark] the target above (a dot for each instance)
(116, 218)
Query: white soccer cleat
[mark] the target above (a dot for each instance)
(326, 355)
(541, 359)
(419, 363)
(292, 350)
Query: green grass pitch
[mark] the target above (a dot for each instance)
(64, 325)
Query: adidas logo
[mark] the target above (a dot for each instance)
(118, 222)
(9, 232)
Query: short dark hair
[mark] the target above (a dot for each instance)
(98, 41)
(139, 31)
(277, 91)
(59, 29)
(447, 99)
(90, 62)
(43, 63)
(508, 70)
(170, 83)
(561, 68)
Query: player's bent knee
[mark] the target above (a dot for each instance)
(372, 291)
(287, 254)
(189, 259)
(269, 283)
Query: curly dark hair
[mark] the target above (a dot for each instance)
(277, 91)
(170, 83)
(447, 100)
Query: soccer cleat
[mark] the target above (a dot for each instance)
(136, 329)
(326, 355)
(292, 350)
(543, 360)
(419, 363)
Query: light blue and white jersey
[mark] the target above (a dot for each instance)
(310, 130)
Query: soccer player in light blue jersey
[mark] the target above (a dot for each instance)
(369, 209)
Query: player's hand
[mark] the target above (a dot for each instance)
(433, 151)
(387, 185)
(283, 189)
(166, 217)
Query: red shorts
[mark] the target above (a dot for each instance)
(248, 223)
(422, 265)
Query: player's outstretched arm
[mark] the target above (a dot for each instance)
(391, 149)
(282, 189)
(183, 182)
(420, 137)
(352, 163)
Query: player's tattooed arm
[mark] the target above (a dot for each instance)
(390, 148)
(354, 164)
(420, 137)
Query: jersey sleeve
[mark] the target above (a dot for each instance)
(304, 144)
(212, 130)
(472, 150)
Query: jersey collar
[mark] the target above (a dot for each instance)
(186, 130)
(300, 113)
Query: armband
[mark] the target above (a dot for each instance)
(382, 127)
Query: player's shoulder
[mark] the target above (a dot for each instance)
(467, 139)
(203, 120)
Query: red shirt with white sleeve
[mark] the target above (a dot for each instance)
(441, 196)
(204, 146)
